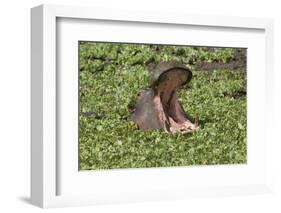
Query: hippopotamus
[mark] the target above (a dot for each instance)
(158, 106)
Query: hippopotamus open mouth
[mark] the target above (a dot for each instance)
(158, 106)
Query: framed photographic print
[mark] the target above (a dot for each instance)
(129, 106)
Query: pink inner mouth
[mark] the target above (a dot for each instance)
(174, 114)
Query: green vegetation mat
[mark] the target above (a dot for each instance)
(110, 77)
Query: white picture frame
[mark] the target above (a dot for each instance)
(46, 160)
